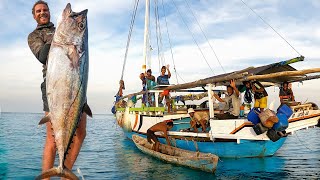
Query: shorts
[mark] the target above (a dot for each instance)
(44, 96)
(151, 136)
(261, 103)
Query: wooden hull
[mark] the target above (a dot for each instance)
(196, 160)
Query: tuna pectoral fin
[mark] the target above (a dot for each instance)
(44, 120)
(87, 110)
(57, 172)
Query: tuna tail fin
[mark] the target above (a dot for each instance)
(87, 110)
(57, 172)
(44, 119)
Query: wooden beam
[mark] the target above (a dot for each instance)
(278, 74)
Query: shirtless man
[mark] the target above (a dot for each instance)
(164, 127)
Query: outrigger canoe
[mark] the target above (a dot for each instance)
(195, 160)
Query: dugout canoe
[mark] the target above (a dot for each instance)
(195, 160)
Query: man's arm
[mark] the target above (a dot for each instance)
(217, 97)
(169, 73)
(292, 96)
(165, 134)
(233, 85)
(38, 47)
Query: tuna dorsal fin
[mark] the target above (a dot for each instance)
(44, 120)
(87, 110)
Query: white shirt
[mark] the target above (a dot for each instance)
(233, 104)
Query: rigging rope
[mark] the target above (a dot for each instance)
(192, 35)
(205, 36)
(129, 36)
(270, 27)
(158, 34)
(174, 64)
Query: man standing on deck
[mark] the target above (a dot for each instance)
(151, 83)
(39, 42)
(163, 79)
(260, 94)
(164, 127)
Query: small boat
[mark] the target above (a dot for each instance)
(195, 160)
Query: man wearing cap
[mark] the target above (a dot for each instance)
(197, 119)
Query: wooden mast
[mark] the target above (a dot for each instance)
(146, 35)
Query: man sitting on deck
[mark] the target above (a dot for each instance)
(285, 94)
(164, 127)
(197, 119)
(232, 102)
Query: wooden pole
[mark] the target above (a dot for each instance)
(243, 76)
(278, 74)
(204, 82)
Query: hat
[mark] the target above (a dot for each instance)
(190, 110)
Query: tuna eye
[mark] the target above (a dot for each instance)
(81, 25)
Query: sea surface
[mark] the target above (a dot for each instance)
(107, 154)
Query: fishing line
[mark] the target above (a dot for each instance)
(165, 18)
(303, 143)
(193, 37)
(129, 36)
(270, 27)
(215, 54)
(80, 173)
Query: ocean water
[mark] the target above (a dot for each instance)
(107, 154)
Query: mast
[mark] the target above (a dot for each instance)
(146, 35)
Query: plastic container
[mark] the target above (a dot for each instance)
(285, 109)
(268, 118)
(253, 116)
(242, 110)
(273, 135)
(259, 129)
(282, 124)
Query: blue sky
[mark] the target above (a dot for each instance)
(239, 38)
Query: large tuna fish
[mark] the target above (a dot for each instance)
(67, 77)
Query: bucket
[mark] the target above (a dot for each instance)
(268, 118)
(253, 116)
(273, 135)
(259, 129)
(285, 109)
(282, 124)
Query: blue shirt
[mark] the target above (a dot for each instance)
(163, 80)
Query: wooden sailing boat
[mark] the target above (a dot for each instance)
(195, 160)
(232, 138)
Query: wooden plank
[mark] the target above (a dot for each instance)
(278, 74)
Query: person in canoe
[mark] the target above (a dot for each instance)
(164, 127)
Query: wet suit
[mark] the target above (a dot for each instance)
(39, 42)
